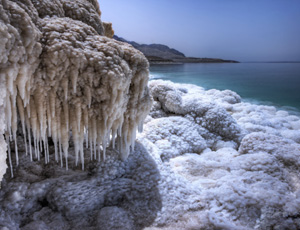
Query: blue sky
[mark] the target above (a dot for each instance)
(244, 30)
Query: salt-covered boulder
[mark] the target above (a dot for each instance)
(62, 74)
(224, 96)
(175, 136)
(169, 97)
(286, 150)
(197, 105)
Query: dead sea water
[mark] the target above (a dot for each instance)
(276, 84)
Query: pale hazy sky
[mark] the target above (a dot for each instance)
(244, 30)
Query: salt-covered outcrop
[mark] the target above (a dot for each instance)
(62, 74)
(240, 172)
(175, 135)
(170, 99)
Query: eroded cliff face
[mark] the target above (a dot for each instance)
(60, 74)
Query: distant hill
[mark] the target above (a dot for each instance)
(162, 54)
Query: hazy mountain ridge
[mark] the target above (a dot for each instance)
(162, 54)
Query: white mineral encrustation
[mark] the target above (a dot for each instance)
(61, 77)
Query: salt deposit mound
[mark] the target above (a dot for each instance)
(59, 73)
(224, 163)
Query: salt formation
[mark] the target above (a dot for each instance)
(236, 165)
(206, 160)
(62, 74)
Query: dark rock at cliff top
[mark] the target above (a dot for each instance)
(162, 54)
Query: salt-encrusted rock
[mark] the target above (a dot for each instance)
(175, 136)
(249, 185)
(167, 95)
(62, 74)
(225, 96)
(194, 104)
(287, 151)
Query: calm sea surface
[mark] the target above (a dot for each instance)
(275, 84)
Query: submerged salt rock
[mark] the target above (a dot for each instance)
(67, 77)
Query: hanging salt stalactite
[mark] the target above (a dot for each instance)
(46, 117)
(22, 118)
(9, 155)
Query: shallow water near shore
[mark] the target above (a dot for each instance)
(276, 84)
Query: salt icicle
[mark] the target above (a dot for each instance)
(65, 140)
(74, 76)
(87, 92)
(86, 125)
(30, 147)
(49, 118)
(113, 137)
(81, 137)
(8, 114)
(60, 154)
(78, 113)
(66, 114)
(9, 155)
(14, 130)
(52, 103)
(65, 85)
(75, 133)
(22, 118)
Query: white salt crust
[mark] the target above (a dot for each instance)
(224, 163)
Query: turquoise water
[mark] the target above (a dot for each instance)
(275, 84)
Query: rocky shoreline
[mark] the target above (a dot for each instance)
(205, 160)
